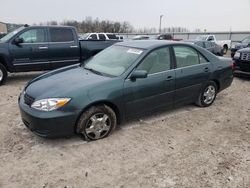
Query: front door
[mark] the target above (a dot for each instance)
(32, 53)
(157, 90)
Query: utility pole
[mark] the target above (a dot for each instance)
(160, 23)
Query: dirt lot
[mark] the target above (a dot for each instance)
(185, 147)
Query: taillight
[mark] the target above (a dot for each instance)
(232, 65)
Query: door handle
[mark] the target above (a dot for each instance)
(43, 48)
(73, 46)
(206, 69)
(169, 78)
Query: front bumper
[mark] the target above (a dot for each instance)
(242, 65)
(52, 124)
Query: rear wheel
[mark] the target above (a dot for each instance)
(225, 49)
(207, 95)
(3, 74)
(96, 123)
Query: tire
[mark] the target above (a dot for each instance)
(207, 95)
(3, 74)
(225, 49)
(96, 123)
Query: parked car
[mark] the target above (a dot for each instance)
(243, 44)
(2, 35)
(39, 48)
(121, 82)
(225, 44)
(167, 37)
(242, 61)
(141, 37)
(101, 36)
(208, 45)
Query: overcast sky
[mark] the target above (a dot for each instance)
(212, 15)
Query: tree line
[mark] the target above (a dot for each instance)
(107, 26)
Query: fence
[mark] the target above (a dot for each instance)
(233, 36)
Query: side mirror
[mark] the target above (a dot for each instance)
(138, 74)
(18, 40)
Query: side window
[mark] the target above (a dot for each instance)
(34, 36)
(202, 59)
(102, 37)
(185, 56)
(156, 61)
(210, 38)
(61, 35)
(93, 37)
(207, 45)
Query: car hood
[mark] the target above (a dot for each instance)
(65, 82)
(245, 50)
(241, 45)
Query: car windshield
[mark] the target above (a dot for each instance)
(246, 40)
(113, 61)
(201, 37)
(10, 35)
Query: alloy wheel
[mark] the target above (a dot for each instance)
(209, 94)
(98, 126)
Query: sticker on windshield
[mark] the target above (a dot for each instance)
(134, 51)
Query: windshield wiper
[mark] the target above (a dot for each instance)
(94, 71)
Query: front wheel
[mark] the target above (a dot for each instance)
(96, 123)
(207, 95)
(225, 49)
(3, 74)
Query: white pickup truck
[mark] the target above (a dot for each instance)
(225, 44)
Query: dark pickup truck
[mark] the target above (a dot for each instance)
(36, 48)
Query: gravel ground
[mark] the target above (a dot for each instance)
(184, 147)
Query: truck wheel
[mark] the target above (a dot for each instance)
(3, 74)
(225, 49)
(207, 95)
(96, 123)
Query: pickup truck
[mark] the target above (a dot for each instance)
(225, 44)
(100, 36)
(37, 48)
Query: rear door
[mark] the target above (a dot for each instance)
(63, 47)
(157, 90)
(32, 54)
(192, 72)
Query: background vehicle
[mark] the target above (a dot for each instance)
(225, 44)
(242, 61)
(167, 37)
(141, 37)
(100, 36)
(208, 45)
(39, 48)
(2, 35)
(243, 44)
(123, 81)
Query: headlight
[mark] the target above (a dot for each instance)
(237, 55)
(50, 104)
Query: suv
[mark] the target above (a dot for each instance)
(243, 44)
(242, 61)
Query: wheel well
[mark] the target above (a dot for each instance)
(109, 104)
(3, 62)
(225, 46)
(217, 83)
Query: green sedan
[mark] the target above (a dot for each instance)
(123, 81)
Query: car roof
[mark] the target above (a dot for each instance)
(147, 44)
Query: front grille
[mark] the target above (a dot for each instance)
(28, 99)
(245, 56)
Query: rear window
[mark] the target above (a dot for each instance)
(111, 36)
(61, 35)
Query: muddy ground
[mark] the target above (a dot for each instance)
(185, 147)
